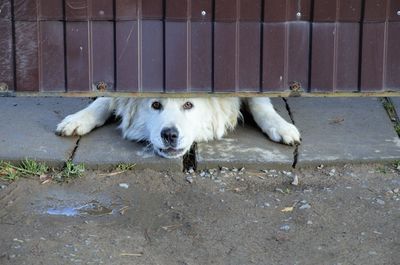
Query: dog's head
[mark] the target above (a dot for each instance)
(171, 125)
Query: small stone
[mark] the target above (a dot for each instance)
(224, 168)
(295, 181)
(234, 169)
(237, 178)
(372, 253)
(266, 204)
(332, 172)
(309, 222)
(2, 187)
(285, 228)
(202, 174)
(305, 206)
(320, 166)
(189, 179)
(124, 185)
(381, 202)
(396, 190)
(191, 171)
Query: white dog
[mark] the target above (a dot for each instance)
(171, 125)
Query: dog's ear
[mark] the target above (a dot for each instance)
(126, 108)
(225, 114)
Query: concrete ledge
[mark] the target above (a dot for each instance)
(104, 148)
(28, 125)
(246, 147)
(343, 130)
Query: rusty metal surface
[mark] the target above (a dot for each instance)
(202, 46)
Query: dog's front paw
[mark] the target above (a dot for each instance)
(75, 124)
(286, 133)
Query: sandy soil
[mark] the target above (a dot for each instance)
(335, 215)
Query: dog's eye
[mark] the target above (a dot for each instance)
(156, 105)
(188, 105)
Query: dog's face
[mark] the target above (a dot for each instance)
(172, 124)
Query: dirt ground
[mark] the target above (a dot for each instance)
(336, 215)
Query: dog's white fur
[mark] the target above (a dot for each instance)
(209, 118)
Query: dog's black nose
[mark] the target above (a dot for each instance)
(170, 136)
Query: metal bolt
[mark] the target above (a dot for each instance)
(298, 14)
(3, 87)
(101, 86)
(203, 13)
(398, 13)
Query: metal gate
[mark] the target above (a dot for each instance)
(198, 47)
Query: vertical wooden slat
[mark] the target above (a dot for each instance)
(286, 10)
(77, 41)
(126, 9)
(298, 53)
(25, 10)
(373, 59)
(102, 53)
(127, 56)
(26, 53)
(51, 10)
(5, 7)
(101, 9)
(177, 50)
(76, 10)
(51, 56)
(337, 10)
(152, 56)
(393, 55)
(285, 56)
(375, 10)
(249, 56)
(274, 50)
(6, 55)
(201, 57)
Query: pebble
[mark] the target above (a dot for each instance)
(320, 166)
(332, 172)
(189, 179)
(309, 222)
(285, 228)
(295, 181)
(202, 174)
(396, 190)
(3, 187)
(234, 169)
(381, 202)
(191, 171)
(305, 206)
(372, 253)
(124, 185)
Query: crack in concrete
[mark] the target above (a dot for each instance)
(392, 113)
(296, 149)
(72, 155)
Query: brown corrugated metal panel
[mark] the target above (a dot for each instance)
(285, 55)
(51, 54)
(201, 57)
(202, 10)
(373, 56)
(127, 56)
(337, 10)
(393, 57)
(394, 10)
(335, 57)
(232, 10)
(102, 55)
(26, 56)
(77, 47)
(6, 55)
(33, 10)
(126, 9)
(151, 63)
(152, 9)
(287, 10)
(5, 7)
(82, 10)
(25, 10)
(376, 10)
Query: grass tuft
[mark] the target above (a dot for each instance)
(28, 167)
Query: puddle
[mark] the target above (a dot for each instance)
(93, 208)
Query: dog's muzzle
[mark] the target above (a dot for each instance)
(170, 137)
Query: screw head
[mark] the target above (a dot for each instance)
(398, 13)
(203, 13)
(298, 14)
